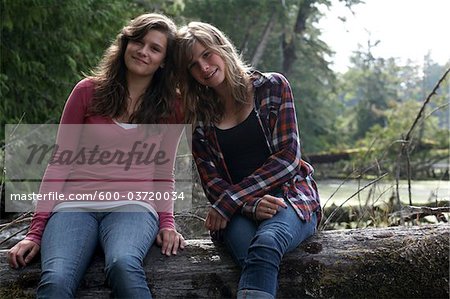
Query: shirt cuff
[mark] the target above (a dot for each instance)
(249, 209)
(34, 239)
(166, 220)
(226, 206)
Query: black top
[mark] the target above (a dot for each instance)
(244, 147)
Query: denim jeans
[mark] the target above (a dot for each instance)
(71, 237)
(259, 247)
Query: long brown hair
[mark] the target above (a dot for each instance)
(201, 102)
(111, 93)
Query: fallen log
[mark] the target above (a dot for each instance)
(397, 262)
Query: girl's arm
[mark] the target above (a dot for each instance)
(165, 178)
(164, 173)
(67, 139)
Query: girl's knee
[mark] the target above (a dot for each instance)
(273, 238)
(122, 264)
(55, 284)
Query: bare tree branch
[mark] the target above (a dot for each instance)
(407, 140)
(345, 201)
(427, 100)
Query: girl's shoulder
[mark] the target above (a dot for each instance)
(77, 104)
(273, 78)
(84, 89)
(276, 78)
(85, 83)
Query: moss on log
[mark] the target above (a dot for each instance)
(399, 262)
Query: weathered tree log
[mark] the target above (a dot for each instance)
(399, 262)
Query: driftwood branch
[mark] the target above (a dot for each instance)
(400, 262)
(415, 213)
(369, 215)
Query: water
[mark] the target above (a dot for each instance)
(422, 191)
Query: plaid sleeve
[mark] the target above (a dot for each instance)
(212, 182)
(281, 166)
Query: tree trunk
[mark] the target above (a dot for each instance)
(289, 37)
(259, 52)
(406, 262)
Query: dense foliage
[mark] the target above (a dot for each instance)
(45, 48)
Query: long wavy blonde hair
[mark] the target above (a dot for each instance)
(110, 96)
(201, 103)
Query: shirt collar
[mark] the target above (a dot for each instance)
(259, 78)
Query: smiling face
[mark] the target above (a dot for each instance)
(207, 67)
(144, 56)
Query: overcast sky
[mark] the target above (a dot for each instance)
(405, 29)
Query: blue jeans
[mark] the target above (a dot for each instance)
(69, 242)
(259, 247)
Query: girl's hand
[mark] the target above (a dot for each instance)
(170, 240)
(215, 221)
(22, 253)
(268, 207)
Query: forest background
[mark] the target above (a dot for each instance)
(368, 114)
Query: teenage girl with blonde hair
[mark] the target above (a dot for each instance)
(264, 201)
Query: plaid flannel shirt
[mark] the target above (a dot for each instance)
(284, 170)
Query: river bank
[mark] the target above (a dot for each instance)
(422, 191)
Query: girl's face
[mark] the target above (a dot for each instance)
(143, 57)
(207, 67)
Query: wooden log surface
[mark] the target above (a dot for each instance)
(398, 262)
